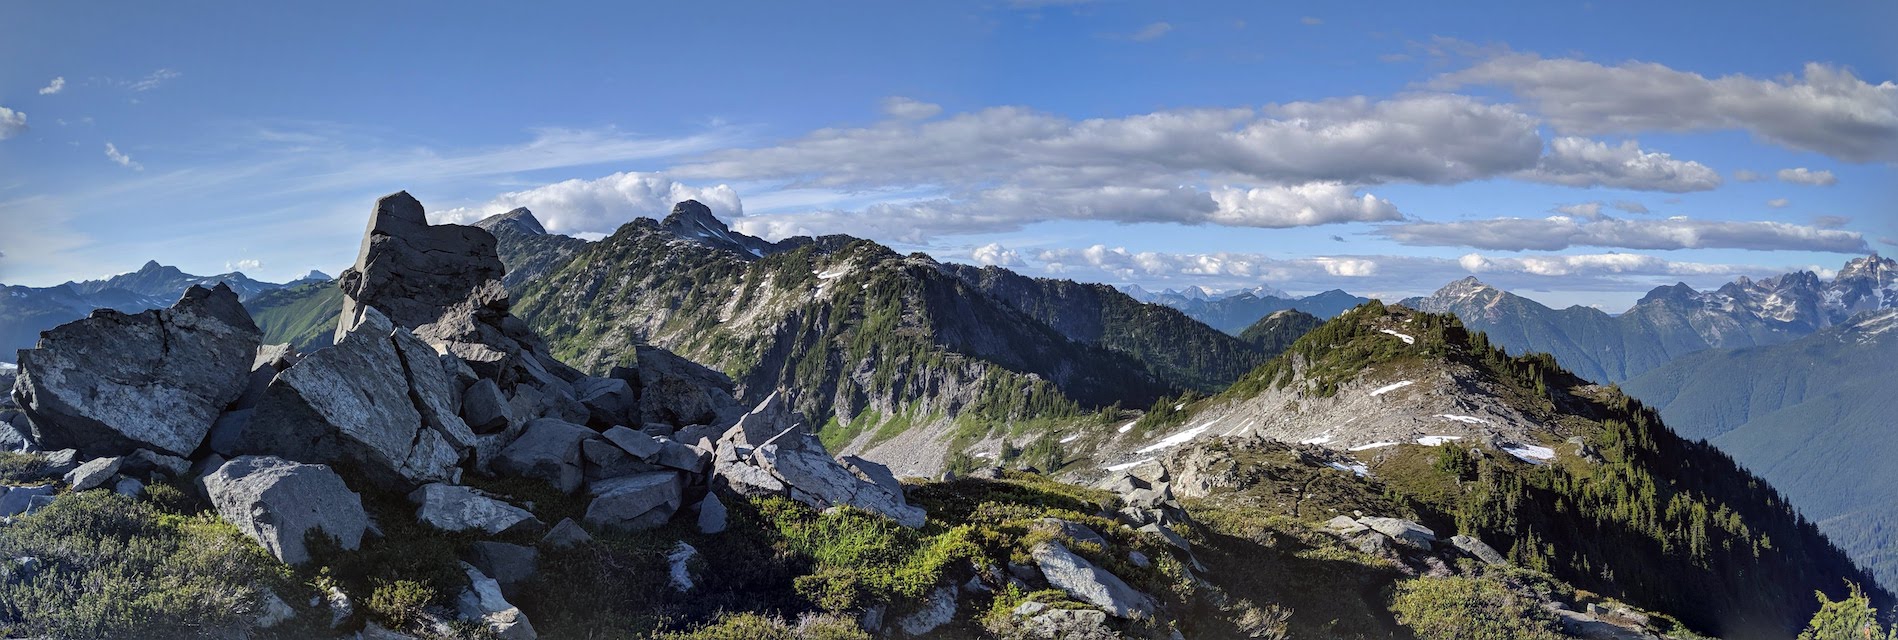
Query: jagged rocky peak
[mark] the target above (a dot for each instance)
(519, 220)
(694, 221)
(314, 276)
(414, 272)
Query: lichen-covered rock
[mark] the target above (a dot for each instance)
(455, 508)
(1403, 531)
(278, 502)
(114, 382)
(1479, 549)
(94, 473)
(639, 501)
(768, 452)
(354, 403)
(938, 609)
(1088, 583)
(484, 603)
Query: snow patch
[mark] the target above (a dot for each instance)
(1437, 441)
(1318, 440)
(832, 273)
(1176, 439)
(1530, 453)
(1405, 338)
(1374, 445)
(1392, 387)
(1126, 427)
(1462, 419)
(1069, 439)
(1356, 469)
(1127, 465)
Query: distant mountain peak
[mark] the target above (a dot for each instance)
(314, 276)
(692, 220)
(150, 265)
(520, 220)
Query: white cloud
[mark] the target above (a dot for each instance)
(994, 254)
(1585, 210)
(1151, 32)
(57, 85)
(11, 122)
(247, 264)
(602, 205)
(1827, 109)
(903, 108)
(153, 80)
(1629, 206)
(1599, 263)
(1802, 175)
(1302, 205)
(1746, 175)
(1580, 162)
(1778, 203)
(1562, 232)
(112, 153)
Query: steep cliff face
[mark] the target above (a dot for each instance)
(872, 344)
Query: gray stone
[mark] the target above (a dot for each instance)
(605, 461)
(712, 515)
(511, 565)
(566, 533)
(1479, 549)
(338, 602)
(352, 403)
(679, 562)
(434, 393)
(936, 610)
(609, 401)
(147, 462)
(773, 416)
(18, 500)
(271, 611)
(94, 473)
(680, 392)
(411, 270)
(227, 433)
(1139, 559)
(129, 487)
(455, 509)
(635, 502)
(484, 603)
(1403, 531)
(681, 457)
(61, 461)
(874, 473)
(484, 409)
(1345, 526)
(113, 382)
(1073, 531)
(1374, 543)
(548, 450)
(660, 430)
(792, 463)
(1088, 583)
(637, 444)
(1070, 624)
(1030, 608)
(278, 502)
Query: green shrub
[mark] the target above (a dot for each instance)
(399, 603)
(1470, 608)
(752, 626)
(1851, 618)
(21, 468)
(113, 567)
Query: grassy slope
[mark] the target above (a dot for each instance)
(303, 315)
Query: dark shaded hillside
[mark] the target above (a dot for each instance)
(1179, 349)
(1815, 416)
(1275, 333)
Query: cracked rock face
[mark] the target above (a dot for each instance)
(768, 452)
(278, 503)
(354, 403)
(114, 383)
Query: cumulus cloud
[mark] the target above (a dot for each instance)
(1778, 203)
(600, 206)
(903, 108)
(1151, 32)
(246, 264)
(994, 254)
(1580, 162)
(11, 122)
(1562, 232)
(57, 85)
(1802, 175)
(112, 153)
(1827, 109)
(1309, 204)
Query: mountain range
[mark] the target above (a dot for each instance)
(26, 311)
(1233, 312)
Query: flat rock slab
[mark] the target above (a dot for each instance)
(455, 508)
(278, 502)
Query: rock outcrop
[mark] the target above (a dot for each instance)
(278, 502)
(113, 382)
(456, 509)
(769, 452)
(1088, 583)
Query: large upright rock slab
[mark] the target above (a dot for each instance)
(412, 271)
(358, 403)
(113, 383)
(278, 503)
(1088, 583)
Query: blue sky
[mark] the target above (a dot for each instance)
(1580, 153)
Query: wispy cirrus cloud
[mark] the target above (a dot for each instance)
(1563, 232)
